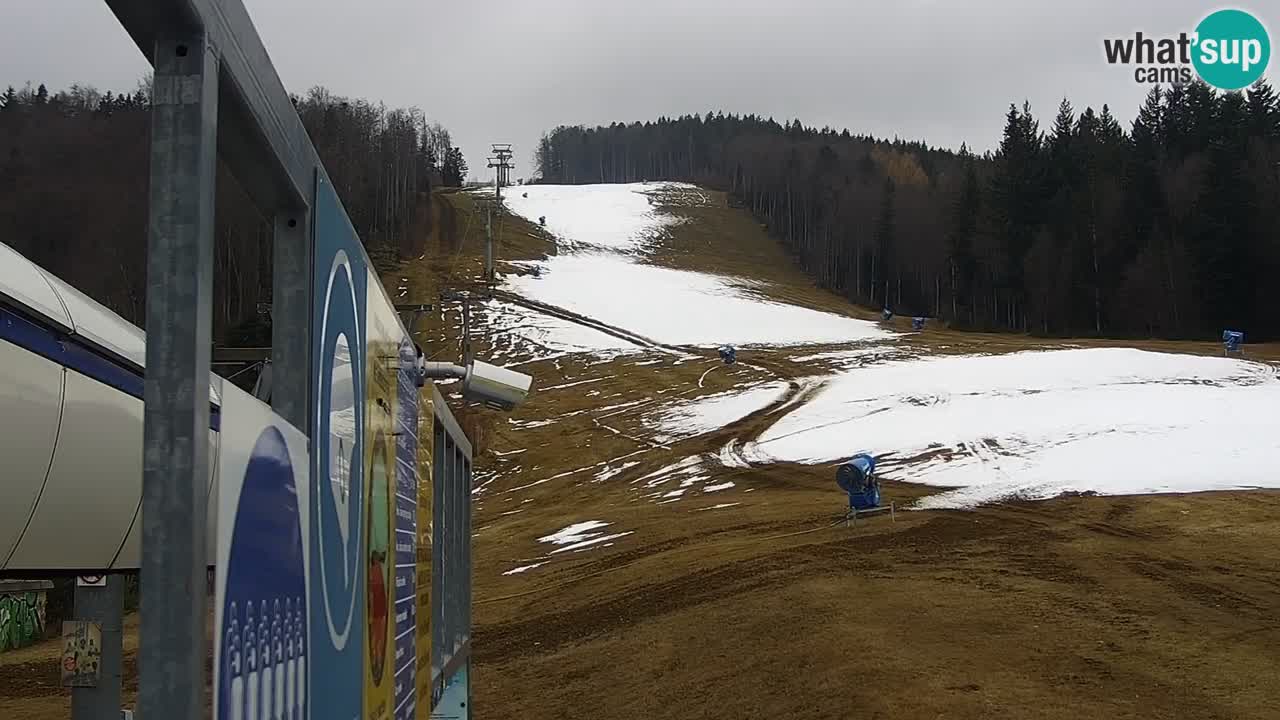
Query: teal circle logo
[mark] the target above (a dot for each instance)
(1232, 49)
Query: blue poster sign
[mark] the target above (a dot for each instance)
(406, 524)
(337, 461)
(262, 652)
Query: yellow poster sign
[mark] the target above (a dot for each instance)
(383, 360)
(426, 446)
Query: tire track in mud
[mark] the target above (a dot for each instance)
(706, 446)
(779, 565)
(750, 426)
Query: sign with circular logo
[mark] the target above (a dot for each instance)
(337, 480)
(337, 488)
(1232, 49)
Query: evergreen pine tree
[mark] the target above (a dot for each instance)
(1145, 201)
(455, 168)
(1263, 111)
(964, 225)
(1061, 148)
(1202, 109)
(884, 243)
(1221, 243)
(1109, 129)
(1174, 125)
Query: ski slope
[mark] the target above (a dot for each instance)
(1038, 424)
(603, 234)
(984, 427)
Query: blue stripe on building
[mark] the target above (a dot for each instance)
(75, 355)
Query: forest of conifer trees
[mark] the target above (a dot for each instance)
(73, 192)
(1170, 228)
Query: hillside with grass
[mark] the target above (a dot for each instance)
(1078, 525)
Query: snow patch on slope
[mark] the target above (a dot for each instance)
(603, 230)
(712, 412)
(1039, 424)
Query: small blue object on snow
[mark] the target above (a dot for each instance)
(886, 315)
(857, 477)
(728, 354)
(917, 324)
(1232, 340)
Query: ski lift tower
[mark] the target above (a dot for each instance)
(501, 162)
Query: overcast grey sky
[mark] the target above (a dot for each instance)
(505, 71)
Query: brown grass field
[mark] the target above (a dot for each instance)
(1158, 606)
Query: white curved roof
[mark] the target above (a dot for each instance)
(43, 294)
(24, 284)
(100, 326)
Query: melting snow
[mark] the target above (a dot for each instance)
(573, 384)
(511, 329)
(618, 217)
(574, 533)
(717, 488)
(524, 568)
(719, 506)
(680, 307)
(580, 535)
(605, 227)
(729, 456)
(847, 357)
(591, 541)
(529, 424)
(1038, 424)
(610, 471)
(713, 412)
(686, 466)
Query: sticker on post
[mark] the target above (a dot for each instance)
(81, 653)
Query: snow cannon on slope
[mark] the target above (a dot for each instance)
(1232, 340)
(728, 354)
(886, 315)
(857, 477)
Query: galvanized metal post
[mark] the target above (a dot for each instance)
(488, 245)
(464, 512)
(439, 545)
(103, 605)
(466, 579)
(467, 357)
(175, 472)
(291, 318)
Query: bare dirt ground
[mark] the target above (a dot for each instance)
(1116, 607)
(755, 601)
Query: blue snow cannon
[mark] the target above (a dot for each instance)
(917, 324)
(1232, 340)
(728, 354)
(886, 315)
(857, 477)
